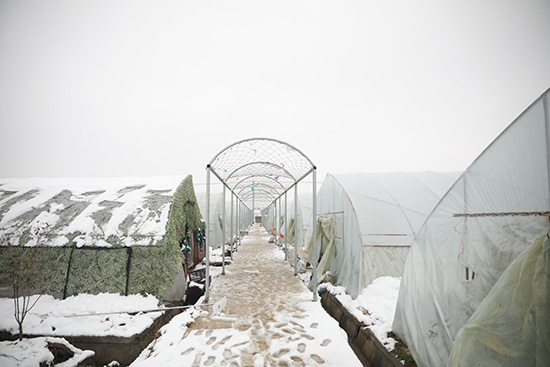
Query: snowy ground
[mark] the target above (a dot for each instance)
(374, 307)
(83, 315)
(33, 352)
(269, 319)
(99, 315)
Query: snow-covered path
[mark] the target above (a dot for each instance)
(269, 319)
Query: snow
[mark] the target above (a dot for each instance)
(304, 333)
(54, 317)
(33, 352)
(322, 337)
(374, 307)
(123, 197)
(269, 319)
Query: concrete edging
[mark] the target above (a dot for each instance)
(370, 348)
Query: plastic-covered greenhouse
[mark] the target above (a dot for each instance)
(475, 290)
(367, 221)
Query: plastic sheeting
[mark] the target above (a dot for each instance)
(489, 216)
(328, 248)
(377, 215)
(511, 326)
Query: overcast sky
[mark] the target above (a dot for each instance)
(148, 88)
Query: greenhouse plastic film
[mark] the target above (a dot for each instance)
(492, 213)
(511, 327)
(378, 216)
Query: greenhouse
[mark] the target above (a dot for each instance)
(476, 283)
(367, 221)
(123, 236)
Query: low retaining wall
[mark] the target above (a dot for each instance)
(112, 348)
(372, 352)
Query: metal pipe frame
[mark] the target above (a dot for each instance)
(242, 206)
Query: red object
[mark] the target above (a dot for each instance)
(282, 236)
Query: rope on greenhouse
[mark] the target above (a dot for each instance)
(505, 214)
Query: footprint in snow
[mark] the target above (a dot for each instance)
(187, 351)
(210, 361)
(198, 358)
(317, 359)
(281, 352)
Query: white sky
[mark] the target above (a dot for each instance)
(147, 88)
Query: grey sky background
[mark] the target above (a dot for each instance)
(149, 88)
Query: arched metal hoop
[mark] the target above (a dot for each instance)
(269, 168)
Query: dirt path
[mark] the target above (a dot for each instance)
(269, 318)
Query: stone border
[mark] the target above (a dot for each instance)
(363, 341)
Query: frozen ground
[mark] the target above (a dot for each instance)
(269, 320)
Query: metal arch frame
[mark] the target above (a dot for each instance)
(262, 185)
(254, 139)
(260, 189)
(254, 184)
(262, 196)
(210, 169)
(261, 176)
(261, 163)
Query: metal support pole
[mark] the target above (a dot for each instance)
(286, 227)
(276, 224)
(253, 203)
(314, 230)
(232, 226)
(237, 223)
(295, 229)
(207, 231)
(223, 231)
(274, 218)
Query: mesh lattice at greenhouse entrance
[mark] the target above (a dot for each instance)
(258, 172)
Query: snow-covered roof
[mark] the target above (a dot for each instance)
(86, 211)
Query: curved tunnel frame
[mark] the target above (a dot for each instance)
(280, 163)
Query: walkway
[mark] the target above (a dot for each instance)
(269, 320)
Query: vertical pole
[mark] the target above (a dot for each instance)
(232, 227)
(314, 234)
(274, 217)
(295, 229)
(286, 227)
(237, 223)
(253, 203)
(223, 231)
(276, 224)
(207, 231)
